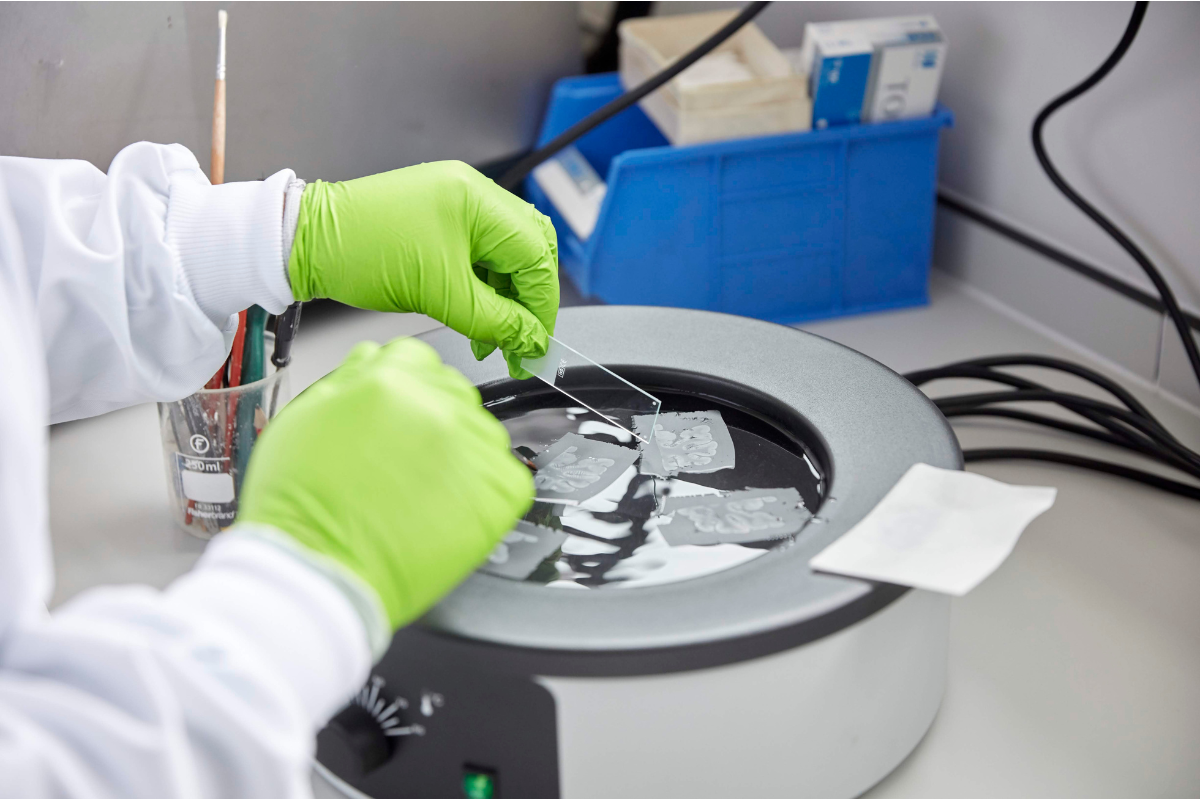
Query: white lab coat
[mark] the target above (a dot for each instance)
(118, 289)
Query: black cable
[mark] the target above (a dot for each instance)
(1118, 428)
(980, 373)
(1073, 263)
(1038, 419)
(1095, 378)
(1148, 478)
(1149, 451)
(969, 369)
(1132, 428)
(1078, 370)
(510, 179)
(1149, 427)
(1164, 291)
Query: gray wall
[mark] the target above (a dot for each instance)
(336, 91)
(333, 91)
(1131, 145)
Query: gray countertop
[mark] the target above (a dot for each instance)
(1074, 670)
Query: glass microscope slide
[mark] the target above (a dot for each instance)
(594, 387)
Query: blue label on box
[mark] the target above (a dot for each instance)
(839, 85)
(917, 37)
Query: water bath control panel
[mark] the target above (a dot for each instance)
(428, 726)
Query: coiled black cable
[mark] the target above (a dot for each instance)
(1094, 464)
(1130, 425)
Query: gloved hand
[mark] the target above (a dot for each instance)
(439, 239)
(391, 466)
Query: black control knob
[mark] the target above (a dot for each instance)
(366, 733)
(355, 739)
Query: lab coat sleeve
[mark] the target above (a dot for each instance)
(137, 274)
(214, 687)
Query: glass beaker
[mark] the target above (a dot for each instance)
(207, 438)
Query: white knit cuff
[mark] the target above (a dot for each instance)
(230, 242)
(364, 599)
(291, 219)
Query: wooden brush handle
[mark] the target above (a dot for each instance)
(218, 134)
(216, 172)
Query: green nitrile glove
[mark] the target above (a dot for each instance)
(392, 467)
(439, 239)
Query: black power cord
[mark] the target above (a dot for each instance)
(1094, 464)
(515, 174)
(1129, 425)
(1039, 148)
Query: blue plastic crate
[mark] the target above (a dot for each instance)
(786, 228)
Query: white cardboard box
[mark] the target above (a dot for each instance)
(838, 61)
(907, 55)
(745, 87)
(906, 70)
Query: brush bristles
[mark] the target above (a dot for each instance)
(222, 18)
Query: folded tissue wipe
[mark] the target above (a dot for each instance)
(938, 529)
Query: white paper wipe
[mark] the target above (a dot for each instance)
(938, 529)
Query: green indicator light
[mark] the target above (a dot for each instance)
(479, 784)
